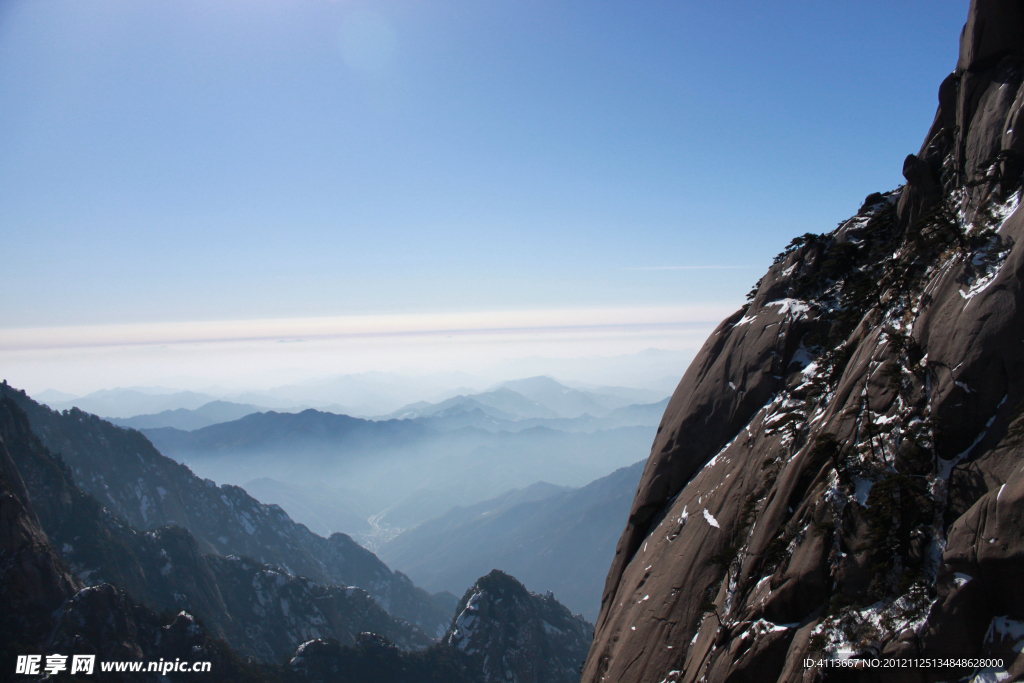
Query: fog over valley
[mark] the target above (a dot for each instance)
(372, 478)
(530, 458)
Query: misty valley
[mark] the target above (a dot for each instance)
(499, 454)
(262, 526)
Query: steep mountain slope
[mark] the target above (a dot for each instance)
(34, 581)
(262, 611)
(559, 541)
(45, 609)
(513, 635)
(839, 468)
(323, 509)
(123, 471)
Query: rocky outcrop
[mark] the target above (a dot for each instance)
(123, 471)
(501, 632)
(839, 470)
(376, 659)
(273, 612)
(509, 634)
(106, 622)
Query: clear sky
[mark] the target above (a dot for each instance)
(173, 162)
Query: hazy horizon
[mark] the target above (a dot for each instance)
(376, 393)
(608, 347)
(256, 193)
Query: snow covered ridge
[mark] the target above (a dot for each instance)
(852, 436)
(878, 449)
(462, 632)
(511, 634)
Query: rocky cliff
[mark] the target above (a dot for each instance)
(511, 635)
(839, 468)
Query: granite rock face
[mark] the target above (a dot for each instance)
(512, 635)
(840, 468)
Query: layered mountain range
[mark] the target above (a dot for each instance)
(372, 479)
(366, 395)
(77, 576)
(548, 537)
(188, 419)
(263, 610)
(144, 489)
(838, 471)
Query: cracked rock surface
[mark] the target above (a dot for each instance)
(840, 468)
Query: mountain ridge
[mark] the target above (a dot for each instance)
(550, 539)
(391, 462)
(291, 630)
(261, 611)
(123, 471)
(186, 419)
(511, 634)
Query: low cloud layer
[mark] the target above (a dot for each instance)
(254, 353)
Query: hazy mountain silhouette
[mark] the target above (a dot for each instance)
(550, 538)
(563, 400)
(122, 403)
(186, 419)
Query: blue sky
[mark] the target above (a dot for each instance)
(181, 161)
